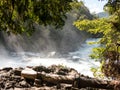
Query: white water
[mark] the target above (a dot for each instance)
(79, 60)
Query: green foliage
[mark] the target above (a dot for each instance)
(97, 72)
(108, 51)
(110, 36)
(76, 5)
(112, 6)
(62, 66)
(97, 52)
(19, 16)
(90, 26)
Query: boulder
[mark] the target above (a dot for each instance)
(38, 83)
(7, 68)
(43, 69)
(29, 73)
(17, 71)
(24, 84)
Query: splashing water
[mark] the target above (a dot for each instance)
(79, 59)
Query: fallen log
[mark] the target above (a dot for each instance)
(83, 82)
(80, 82)
(55, 79)
(73, 78)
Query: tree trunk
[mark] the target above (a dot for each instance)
(80, 82)
(55, 79)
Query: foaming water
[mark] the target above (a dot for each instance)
(78, 60)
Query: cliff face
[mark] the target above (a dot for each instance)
(47, 39)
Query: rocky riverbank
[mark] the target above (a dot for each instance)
(30, 78)
(48, 78)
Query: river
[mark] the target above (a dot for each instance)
(78, 60)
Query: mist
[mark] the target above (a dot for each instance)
(46, 46)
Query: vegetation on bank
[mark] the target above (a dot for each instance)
(109, 28)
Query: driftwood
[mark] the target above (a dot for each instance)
(72, 77)
(80, 82)
(55, 79)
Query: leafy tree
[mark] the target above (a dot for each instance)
(109, 28)
(19, 16)
(112, 6)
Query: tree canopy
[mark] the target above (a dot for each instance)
(112, 6)
(18, 16)
(109, 28)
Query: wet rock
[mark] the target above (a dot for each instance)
(58, 86)
(29, 73)
(9, 84)
(66, 86)
(38, 83)
(17, 71)
(49, 78)
(24, 84)
(17, 78)
(42, 68)
(2, 85)
(63, 71)
(47, 88)
(74, 72)
(54, 68)
(7, 69)
(30, 81)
